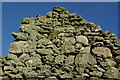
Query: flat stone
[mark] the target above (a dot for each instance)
(82, 39)
(96, 73)
(44, 51)
(102, 51)
(19, 47)
(98, 38)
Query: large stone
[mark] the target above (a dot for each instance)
(85, 60)
(19, 47)
(102, 51)
(33, 62)
(82, 39)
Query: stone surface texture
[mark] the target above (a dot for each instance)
(61, 45)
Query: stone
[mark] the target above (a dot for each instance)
(85, 50)
(85, 60)
(49, 15)
(72, 15)
(19, 47)
(70, 60)
(24, 57)
(13, 57)
(112, 73)
(111, 63)
(102, 51)
(8, 68)
(59, 59)
(30, 74)
(67, 49)
(44, 51)
(116, 52)
(58, 9)
(66, 75)
(80, 70)
(48, 59)
(20, 36)
(33, 62)
(78, 45)
(82, 39)
(98, 38)
(96, 73)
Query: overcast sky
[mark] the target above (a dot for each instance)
(104, 14)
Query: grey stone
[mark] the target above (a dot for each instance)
(85, 60)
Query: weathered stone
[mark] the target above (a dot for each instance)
(116, 52)
(59, 59)
(96, 73)
(8, 68)
(85, 50)
(49, 14)
(44, 51)
(44, 71)
(98, 38)
(104, 65)
(67, 49)
(85, 60)
(70, 60)
(66, 75)
(102, 51)
(12, 57)
(80, 70)
(112, 73)
(72, 15)
(111, 63)
(30, 74)
(78, 45)
(58, 9)
(82, 39)
(33, 62)
(19, 47)
(48, 59)
(24, 57)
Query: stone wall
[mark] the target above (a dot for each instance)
(62, 45)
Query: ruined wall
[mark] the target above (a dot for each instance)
(62, 45)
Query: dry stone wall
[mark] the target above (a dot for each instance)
(62, 45)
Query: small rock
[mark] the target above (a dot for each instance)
(111, 63)
(59, 59)
(82, 39)
(96, 73)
